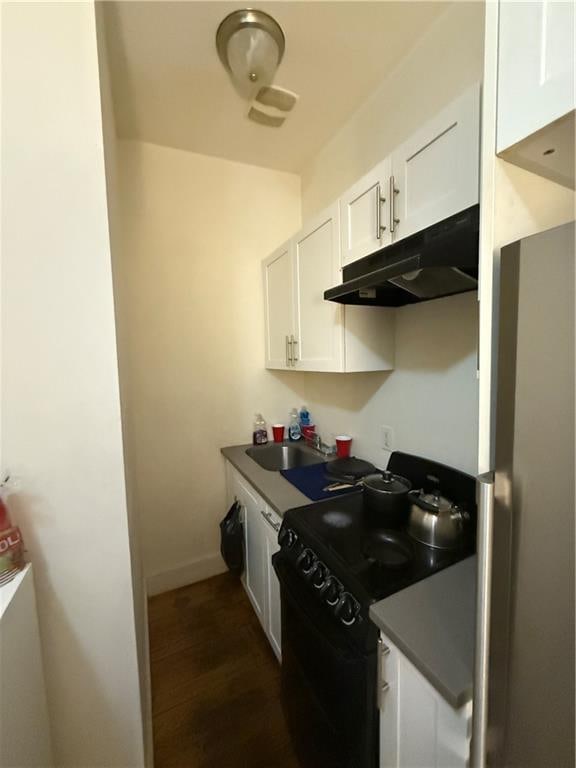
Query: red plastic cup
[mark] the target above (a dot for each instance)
(343, 446)
(309, 430)
(278, 433)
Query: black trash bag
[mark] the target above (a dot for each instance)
(232, 539)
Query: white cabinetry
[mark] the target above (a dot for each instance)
(303, 331)
(255, 548)
(435, 172)
(364, 214)
(418, 728)
(261, 526)
(24, 731)
(536, 86)
(278, 305)
(535, 66)
(431, 176)
(318, 338)
(273, 619)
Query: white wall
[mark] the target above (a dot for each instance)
(61, 430)
(430, 399)
(189, 298)
(134, 533)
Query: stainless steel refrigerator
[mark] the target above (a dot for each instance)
(524, 690)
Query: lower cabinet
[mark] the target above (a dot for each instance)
(418, 727)
(254, 549)
(273, 621)
(261, 526)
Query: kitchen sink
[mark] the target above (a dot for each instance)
(279, 456)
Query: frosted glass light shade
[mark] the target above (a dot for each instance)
(253, 57)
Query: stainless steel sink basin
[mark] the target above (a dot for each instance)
(278, 456)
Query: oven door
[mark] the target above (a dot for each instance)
(328, 682)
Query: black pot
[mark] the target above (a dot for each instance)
(386, 503)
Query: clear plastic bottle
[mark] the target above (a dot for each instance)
(294, 431)
(304, 416)
(260, 434)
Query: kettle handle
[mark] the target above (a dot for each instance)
(416, 497)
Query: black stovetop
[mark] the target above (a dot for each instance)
(373, 563)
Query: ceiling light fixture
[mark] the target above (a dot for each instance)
(251, 44)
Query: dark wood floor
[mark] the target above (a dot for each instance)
(215, 681)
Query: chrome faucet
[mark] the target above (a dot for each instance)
(324, 448)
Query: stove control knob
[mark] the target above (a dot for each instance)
(287, 537)
(306, 560)
(331, 590)
(320, 575)
(347, 609)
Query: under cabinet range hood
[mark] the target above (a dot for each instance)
(438, 261)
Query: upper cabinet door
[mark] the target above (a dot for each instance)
(435, 172)
(319, 332)
(278, 306)
(364, 214)
(536, 62)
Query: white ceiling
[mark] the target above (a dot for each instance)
(170, 88)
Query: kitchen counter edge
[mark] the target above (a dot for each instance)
(433, 624)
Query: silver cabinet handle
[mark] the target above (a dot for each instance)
(393, 193)
(288, 358)
(294, 355)
(379, 200)
(383, 686)
(268, 516)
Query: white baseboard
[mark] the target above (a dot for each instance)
(188, 573)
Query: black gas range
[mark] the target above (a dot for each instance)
(332, 565)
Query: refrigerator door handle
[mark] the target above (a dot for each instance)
(483, 594)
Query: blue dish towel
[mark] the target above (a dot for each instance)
(312, 480)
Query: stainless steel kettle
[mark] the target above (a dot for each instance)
(435, 520)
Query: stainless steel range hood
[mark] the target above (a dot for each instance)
(439, 261)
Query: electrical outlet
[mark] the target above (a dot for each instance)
(387, 438)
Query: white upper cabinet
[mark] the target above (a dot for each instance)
(536, 118)
(435, 173)
(318, 337)
(304, 331)
(278, 306)
(431, 176)
(535, 67)
(364, 214)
